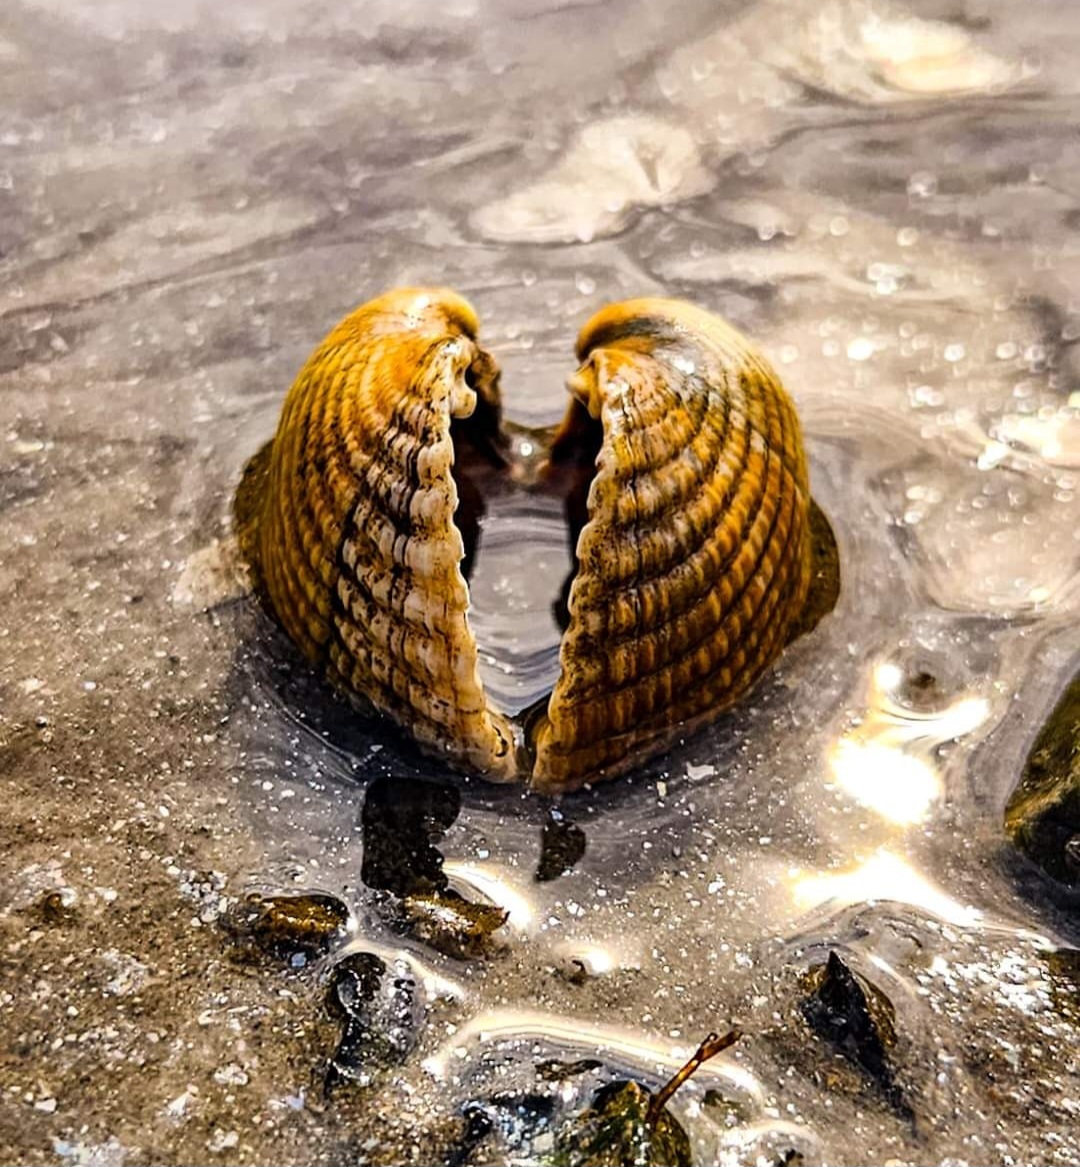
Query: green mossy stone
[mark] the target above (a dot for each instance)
(309, 924)
(613, 1133)
(453, 925)
(1042, 817)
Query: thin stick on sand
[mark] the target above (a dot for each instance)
(709, 1048)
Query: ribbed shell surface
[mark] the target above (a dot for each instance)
(357, 547)
(693, 560)
(694, 564)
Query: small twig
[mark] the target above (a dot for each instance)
(709, 1048)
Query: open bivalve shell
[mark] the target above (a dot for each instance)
(691, 518)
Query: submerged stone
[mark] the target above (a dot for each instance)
(290, 926)
(852, 1015)
(381, 1011)
(402, 820)
(453, 925)
(629, 1125)
(615, 1131)
(562, 844)
(1042, 817)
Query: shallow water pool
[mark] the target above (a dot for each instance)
(886, 198)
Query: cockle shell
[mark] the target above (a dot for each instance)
(687, 497)
(356, 543)
(694, 561)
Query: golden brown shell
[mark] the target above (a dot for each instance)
(692, 545)
(357, 546)
(694, 561)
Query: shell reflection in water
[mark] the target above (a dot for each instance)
(682, 465)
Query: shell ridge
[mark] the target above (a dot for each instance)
(642, 440)
(790, 445)
(724, 506)
(403, 446)
(688, 613)
(607, 471)
(731, 685)
(689, 547)
(763, 643)
(693, 646)
(732, 349)
(641, 668)
(732, 488)
(354, 531)
(296, 511)
(692, 557)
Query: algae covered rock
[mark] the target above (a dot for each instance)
(1042, 817)
(629, 1125)
(858, 1020)
(453, 925)
(296, 927)
(851, 1014)
(615, 1130)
